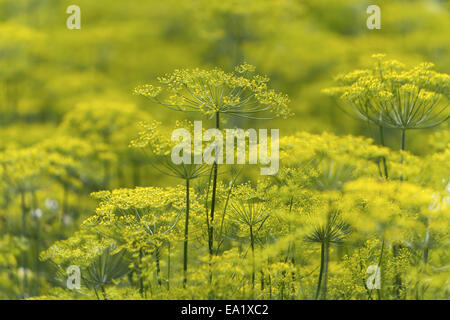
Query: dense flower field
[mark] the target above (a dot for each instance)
(93, 206)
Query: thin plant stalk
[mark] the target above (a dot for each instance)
(383, 159)
(158, 266)
(65, 205)
(379, 266)
(380, 259)
(186, 235)
(403, 139)
(398, 278)
(38, 239)
(396, 247)
(24, 235)
(103, 292)
(252, 243)
(262, 280)
(213, 197)
(96, 293)
(224, 214)
(141, 279)
(168, 266)
(323, 272)
(403, 144)
(426, 248)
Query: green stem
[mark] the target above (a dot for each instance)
(403, 139)
(379, 267)
(65, 205)
(104, 292)
(213, 197)
(291, 244)
(383, 159)
(270, 287)
(96, 294)
(322, 263)
(403, 143)
(325, 271)
(262, 280)
(158, 266)
(426, 248)
(252, 242)
(223, 217)
(168, 266)
(24, 235)
(398, 278)
(141, 279)
(186, 233)
(37, 241)
(321, 291)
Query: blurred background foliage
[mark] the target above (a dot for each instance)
(46, 69)
(69, 92)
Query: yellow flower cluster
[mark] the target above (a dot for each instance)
(216, 91)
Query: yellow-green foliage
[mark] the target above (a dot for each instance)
(87, 180)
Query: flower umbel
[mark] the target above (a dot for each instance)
(391, 96)
(215, 91)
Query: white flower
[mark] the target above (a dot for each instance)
(37, 213)
(51, 204)
(67, 220)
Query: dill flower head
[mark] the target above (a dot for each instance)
(215, 91)
(22, 169)
(154, 139)
(392, 96)
(250, 212)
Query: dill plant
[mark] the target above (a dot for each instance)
(160, 150)
(215, 93)
(319, 196)
(22, 171)
(133, 243)
(110, 124)
(390, 96)
(332, 177)
(252, 214)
